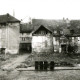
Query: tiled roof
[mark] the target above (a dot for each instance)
(7, 18)
(42, 27)
(26, 28)
(75, 25)
(53, 25)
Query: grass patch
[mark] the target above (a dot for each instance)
(56, 57)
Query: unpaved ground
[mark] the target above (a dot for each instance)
(41, 75)
(14, 62)
(49, 75)
(36, 75)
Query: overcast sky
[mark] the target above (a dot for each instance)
(46, 9)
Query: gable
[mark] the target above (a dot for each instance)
(42, 31)
(26, 28)
(50, 24)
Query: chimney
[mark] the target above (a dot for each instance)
(67, 20)
(8, 15)
(30, 20)
(13, 13)
(63, 18)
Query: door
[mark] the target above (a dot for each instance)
(63, 48)
(25, 48)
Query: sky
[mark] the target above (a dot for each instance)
(41, 9)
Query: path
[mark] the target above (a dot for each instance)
(15, 62)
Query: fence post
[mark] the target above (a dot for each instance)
(45, 65)
(52, 65)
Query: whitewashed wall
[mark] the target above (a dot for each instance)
(42, 44)
(9, 37)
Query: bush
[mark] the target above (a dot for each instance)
(72, 49)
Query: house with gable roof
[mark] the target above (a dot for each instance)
(42, 40)
(9, 34)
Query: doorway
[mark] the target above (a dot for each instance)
(63, 48)
(25, 48)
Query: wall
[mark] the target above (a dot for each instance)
(25, 37)
(56, 44)
(42, 44)
(2, 36)
(13, 34)
(9, 37)
(25, 43)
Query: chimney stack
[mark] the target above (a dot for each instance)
(13, 13)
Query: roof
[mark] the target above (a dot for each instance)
(26, 28)
(75, 25)
(43, 27)
(53, 25)
(7, 18)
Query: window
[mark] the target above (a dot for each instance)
(42, 32)
(11, 23)
(23, 38)
(78, 38)
(45, 43)
(61, 32)
(72, 31)
(72, 38)
(55, 32)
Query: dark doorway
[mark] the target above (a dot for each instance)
(2, 50)
(25, 48)
(63, 47)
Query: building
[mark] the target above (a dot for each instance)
(53, 40)
(39, 36)
(9, 33)
(54, 35)
(25, 45)
(42, 40)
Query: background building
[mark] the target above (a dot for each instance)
(25, 45)
(63, 32)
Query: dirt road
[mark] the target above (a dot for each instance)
(15, 62)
